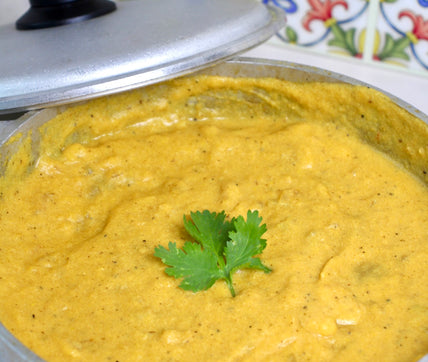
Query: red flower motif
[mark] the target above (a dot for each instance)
(321, 11)
(420, 27)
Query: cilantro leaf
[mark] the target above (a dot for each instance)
(246, 242)
(209, 229)
(198, 267)
(221, 248)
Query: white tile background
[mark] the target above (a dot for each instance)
(368, 20)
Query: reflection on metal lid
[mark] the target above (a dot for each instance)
(143, 42)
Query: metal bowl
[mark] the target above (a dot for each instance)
(396, 146)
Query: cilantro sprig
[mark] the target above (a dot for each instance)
(221, 248)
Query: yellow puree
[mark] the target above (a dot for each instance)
(347, 227)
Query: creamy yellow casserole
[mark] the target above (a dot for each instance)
(82, 210)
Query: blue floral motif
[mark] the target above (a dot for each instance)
(289, 6)
(327, 32)
(403, 34)
(340, 33)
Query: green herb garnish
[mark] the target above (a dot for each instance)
(222, 247)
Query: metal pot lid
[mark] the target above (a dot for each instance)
(141, 43)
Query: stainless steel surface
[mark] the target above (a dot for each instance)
(11, 348)
(142, 42)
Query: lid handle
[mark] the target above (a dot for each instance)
(49, 13)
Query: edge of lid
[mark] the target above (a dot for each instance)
(179, 43)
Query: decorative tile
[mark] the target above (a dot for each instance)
(394, 32)
(402, 29)
(325, 26)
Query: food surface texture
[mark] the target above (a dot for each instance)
(87, 198)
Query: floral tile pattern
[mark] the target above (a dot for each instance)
(403, 29)
(393, 32)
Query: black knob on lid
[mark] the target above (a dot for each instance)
(49, 13)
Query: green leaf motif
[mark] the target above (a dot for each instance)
(394, 48)
(343, 39)
(291, 34)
